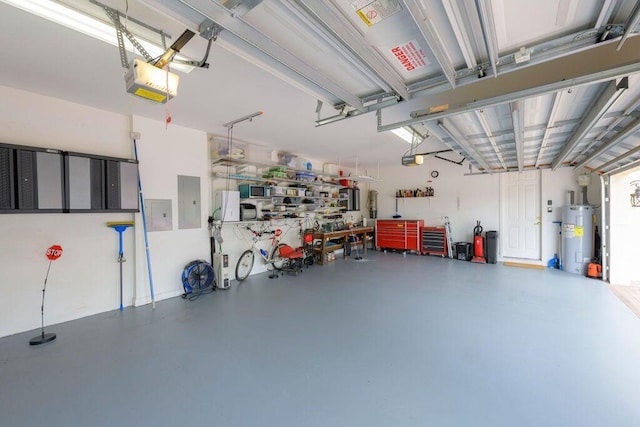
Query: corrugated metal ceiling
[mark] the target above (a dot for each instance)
(361, 56)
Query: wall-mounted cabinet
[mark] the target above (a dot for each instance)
(31, 180)
(40, 180)
(100, 184)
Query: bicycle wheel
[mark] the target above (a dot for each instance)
(244, 265)
(276, 259)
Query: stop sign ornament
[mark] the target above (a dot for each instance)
(54, 252)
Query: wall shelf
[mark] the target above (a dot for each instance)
(416, 197)
(324, 192)
(263, 165)
(276, 179)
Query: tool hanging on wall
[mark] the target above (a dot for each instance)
(120, 227)
(397, 215)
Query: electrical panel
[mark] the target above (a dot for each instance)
(189, 204)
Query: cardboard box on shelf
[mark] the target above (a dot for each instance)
(330, 169)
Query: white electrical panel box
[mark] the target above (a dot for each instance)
(227, 205)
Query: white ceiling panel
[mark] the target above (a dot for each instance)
(521, 23)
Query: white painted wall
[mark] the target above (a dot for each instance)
(85, 280)
(625, 231)
(164, 153)
(466, 199)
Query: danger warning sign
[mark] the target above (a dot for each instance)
(410, 55)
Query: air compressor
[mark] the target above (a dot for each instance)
(478, 245)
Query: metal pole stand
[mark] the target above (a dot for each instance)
(48, 337)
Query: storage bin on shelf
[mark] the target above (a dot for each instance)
(305, 176)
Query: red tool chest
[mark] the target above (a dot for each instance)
(403, 234)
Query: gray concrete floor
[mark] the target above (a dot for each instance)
(391, 341)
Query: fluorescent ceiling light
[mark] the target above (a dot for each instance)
(403, 133)
(77, 21)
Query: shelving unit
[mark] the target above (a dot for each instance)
(254, 172)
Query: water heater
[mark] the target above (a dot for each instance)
(577, 237)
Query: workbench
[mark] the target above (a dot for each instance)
(339, 238)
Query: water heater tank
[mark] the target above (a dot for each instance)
(577, 237)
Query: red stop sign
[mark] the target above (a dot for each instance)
(54, 252)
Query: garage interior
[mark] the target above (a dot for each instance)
(512, 111)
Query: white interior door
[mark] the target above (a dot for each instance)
(520, 214)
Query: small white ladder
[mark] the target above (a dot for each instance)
(447, 229)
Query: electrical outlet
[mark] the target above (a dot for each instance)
(549, 209)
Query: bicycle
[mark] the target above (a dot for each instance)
(271, 257)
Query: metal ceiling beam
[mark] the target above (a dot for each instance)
(249, 35)
(334, 22)
(468, 148)
(630, 25)
(550, 125)
(457, 24)
(607, 98)
(618, 159)
(487, 130)
(377, 106)
(517, 118)
(488, 31)
(562, 53)
(427, 29)
(594, 66)
(613, 125)
(527, 83)
(605, 13)
(624, 168)
(628, 131)
(633, 107)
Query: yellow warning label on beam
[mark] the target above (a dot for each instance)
(373, 11)
(144, 93)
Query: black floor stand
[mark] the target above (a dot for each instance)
(43, 338)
